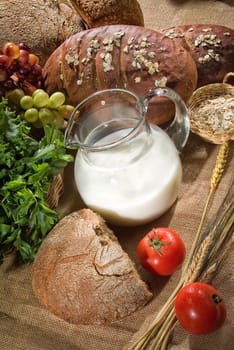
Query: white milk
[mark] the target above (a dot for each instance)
(135, 192)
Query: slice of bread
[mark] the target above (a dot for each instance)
(82, 275)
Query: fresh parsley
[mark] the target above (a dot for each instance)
(27, 167)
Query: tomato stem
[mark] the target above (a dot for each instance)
(156, 243)
(217, 299)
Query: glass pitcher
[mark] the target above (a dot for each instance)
(126, 169)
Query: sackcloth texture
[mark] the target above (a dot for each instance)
(26, 325)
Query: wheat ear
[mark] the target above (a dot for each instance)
(219, 166)
(218, 170)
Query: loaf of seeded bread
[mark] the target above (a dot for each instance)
(82, 275)
(211, 46)
(123, 56)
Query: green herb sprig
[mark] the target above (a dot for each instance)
(27, 167)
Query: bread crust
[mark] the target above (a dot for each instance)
(82, 275)
(210, 45)
(124, 56)
(106, 12)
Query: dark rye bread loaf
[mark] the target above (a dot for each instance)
(211, 46)
(82, 275)
(123, 56)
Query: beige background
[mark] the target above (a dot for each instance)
(25, 325)
(164, 13)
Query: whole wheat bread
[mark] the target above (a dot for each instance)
(106, 12)
(44, 24)
(82, 275)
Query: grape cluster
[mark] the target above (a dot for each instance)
(41, 108)
(18, 68)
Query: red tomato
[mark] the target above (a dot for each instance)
(200, 308)
(161, 251)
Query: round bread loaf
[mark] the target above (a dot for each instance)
(124, 56)
(41, 24)
(44, 24)
(211, 46)
(82, 275)
(106, 12)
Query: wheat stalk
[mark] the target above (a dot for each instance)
(196, 265)
(203, 253)
(219, 166)
(217, 173)
(224, 239)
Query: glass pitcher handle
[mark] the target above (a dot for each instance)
(179, 128)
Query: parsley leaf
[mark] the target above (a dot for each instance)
(27, 167)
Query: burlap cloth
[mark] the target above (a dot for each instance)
(25, 325)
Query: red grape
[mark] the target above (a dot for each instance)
(23, 46)
(11, 49)
(5, 61)
(23, 57)
(19, 68)
(37, 70)
(33, 59)
(25, 70)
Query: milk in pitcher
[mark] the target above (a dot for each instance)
(130, 185)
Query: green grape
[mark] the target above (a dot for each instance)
(65, 110)
(36, 92)
(46, 115)
(41, 99)
(58, 119)
(14, 96)
(31, 115)
(57, 99)
(26, 102)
